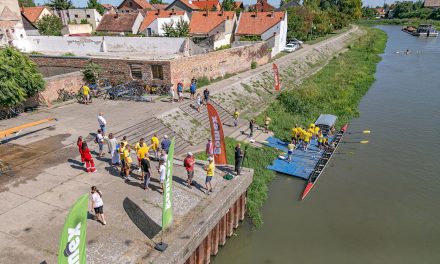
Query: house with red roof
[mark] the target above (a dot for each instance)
(128, 6)
(262, 6)
(208, 5)
(268, 26)
(109, 8)
(120, 23)
(154, 21)
(33, 14)
(215, 26)
(185, 5)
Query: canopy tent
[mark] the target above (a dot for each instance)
(325, 122)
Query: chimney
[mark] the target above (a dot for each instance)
(222, 13)
(172, 11)
(272, 14)
(256, 12)
(206, 12)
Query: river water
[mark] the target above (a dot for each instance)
(378, 205)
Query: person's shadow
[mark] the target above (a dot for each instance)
(76, 164)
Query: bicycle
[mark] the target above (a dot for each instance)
(10, 112)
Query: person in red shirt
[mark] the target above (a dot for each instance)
(189, 166)
(209, 148)
(79, 144)
(90, 164)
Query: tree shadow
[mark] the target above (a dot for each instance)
(141, 219)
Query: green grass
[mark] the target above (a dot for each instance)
(336, 89)
(258, 159)
(205, 81)
(396, 21)
(322, 38)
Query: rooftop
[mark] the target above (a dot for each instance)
(204, 21)
(207, 5)
(122, 22)
(150, 16)
(432, 3)
(32, 13)
(256, 23)
(188, 3)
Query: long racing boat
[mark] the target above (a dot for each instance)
(323, 161)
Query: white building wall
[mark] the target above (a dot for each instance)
(157, 25)
(137, 23)
(280, 29)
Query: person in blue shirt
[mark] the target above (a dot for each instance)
(180, 91)
(165, 144)
(193, 88)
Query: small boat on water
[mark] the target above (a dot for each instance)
(323, 161)
(424, 30)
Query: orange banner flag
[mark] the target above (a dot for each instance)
(218, 138)
(276, 77)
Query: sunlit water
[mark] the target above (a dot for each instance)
(378, 205)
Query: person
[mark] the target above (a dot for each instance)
(112, 145)
(162, 172)
(316, 131)
(189, 162)
(199, 102)
(320, 140)
(121, 157)
(163, 155)
(90, 164)
(124, 140)
(145, 164)
(311, 130)
(307, 137)
(290, 149)
(98, 205)
(155, 145)
(209, 150)
(102, 123)
(206, 95)
(294, 134)
(266, 124)
(141, 148)
(165, 144)
(238, 158)
(172, 93)
(193, 88)
(331, 133)
(210, 168)
(86, 94)
(251, 127)
(236, 115)
(79, 143)
(180, 91)
(100, 140)
(128, 161)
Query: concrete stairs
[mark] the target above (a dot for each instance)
(242, 134)
(147, 128)
(202, 117)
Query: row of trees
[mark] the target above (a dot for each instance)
(320, 17)
(406, 9)
(66, 4)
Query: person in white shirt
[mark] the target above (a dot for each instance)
(162, 172)
(98, 205)
(102, 123)
(100, 140)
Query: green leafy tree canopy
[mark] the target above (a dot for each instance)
(156, 2)
(181, 29)
(93, 4)
(228, 5)
(19, 77)
(26, 3)
(50, 26)
(60, 4)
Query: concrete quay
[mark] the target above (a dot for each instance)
(46, 178)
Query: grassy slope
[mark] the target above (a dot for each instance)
(336, 89)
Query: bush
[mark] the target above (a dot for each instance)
(227, 46)
(50, 26)
(19, 77)
(69, 54)
(92, 72)
(253, 65)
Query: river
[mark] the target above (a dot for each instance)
(380, 204)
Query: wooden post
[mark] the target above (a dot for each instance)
(192, 258)
(215, 239)
(243, 206)
(230, 222)
(223, 227)
(236, 213)
(200, 251)
(207, 252)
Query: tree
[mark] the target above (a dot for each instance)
(368, 12)
(92, 72)
(60, 4)
(228, 5)
(50, 26)
(181, 29)
(299, 22)
(156, 2)
(19, 77)
(93, 4)
(26, 3)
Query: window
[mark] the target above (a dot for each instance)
(76, 16)
(149, 32)
(131, 4)
(136, 71)
(157, 71)
(88, 16)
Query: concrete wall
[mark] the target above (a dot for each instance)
(90, 45)
(71, 15)
(77, 29)
(218, 63)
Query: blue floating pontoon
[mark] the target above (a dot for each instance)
(303, 162)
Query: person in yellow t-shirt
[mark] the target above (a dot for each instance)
(155, 146)
(210, 168)
(121, 157)
(316, 130)
(124, 140)
(266, 124)
(86, 94)
(320, 140)
(236, 115)
(307, 136)
(141, 149)
(128, 161)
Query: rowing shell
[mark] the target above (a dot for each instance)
(322, 163)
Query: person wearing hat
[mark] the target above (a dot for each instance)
(165, 144)
(189, 162)
(209, 148)
(210, 168)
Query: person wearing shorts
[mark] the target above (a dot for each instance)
(189, 166)
(199, 102)
(210, 168)
(180, 91)
(141, 150)
(100, 140)
(162, 172)
(193, 88)
(86, 94)
(102, 123)
(98, 205)
(206, 95)
(121, 157)
(290, 149)
(128, 161)
(155, 145)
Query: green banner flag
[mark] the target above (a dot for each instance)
(73, 238)
(167, 209)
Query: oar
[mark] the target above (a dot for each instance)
(363, 132)
(348, 153)
(360, 142)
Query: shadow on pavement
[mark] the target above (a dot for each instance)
(141, 219)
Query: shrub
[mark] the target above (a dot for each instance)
(253, 65)
(92, 72)
(204, 81)
(69, 54)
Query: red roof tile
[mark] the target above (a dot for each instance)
(188, 3)
(207, 5)
(32, 13)
(256, 23)
(150, 16)
(238, 5)
(117, 22)
(142, 3)
(204, 21)
(262, 6)
(159, 6)
(108, 6)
